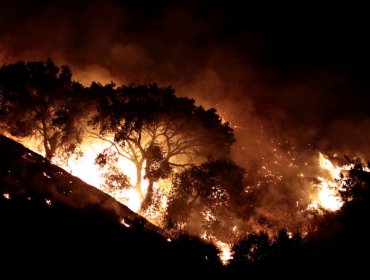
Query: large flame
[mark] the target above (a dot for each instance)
(85, 168)
(328, 196)
(333, 170)
(226, 253)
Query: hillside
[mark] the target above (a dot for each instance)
(27, 174)
(53, 224)
(52, 221)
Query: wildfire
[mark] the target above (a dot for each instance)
(334, 171)
(226, 253)
(155, 212)
(328, 196)
(84, 167)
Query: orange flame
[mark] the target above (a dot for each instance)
(226, 254)
(84, 167)
(328, 196)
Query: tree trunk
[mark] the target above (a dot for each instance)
(148, 200)
(48, 152)
(138, 181)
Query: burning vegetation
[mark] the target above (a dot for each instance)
(166, 158)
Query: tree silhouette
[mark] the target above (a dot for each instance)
(214, 188)
(159, 132)
(355, 187)
(36, 99)
(254, 248)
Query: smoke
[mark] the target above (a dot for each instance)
(287, 89)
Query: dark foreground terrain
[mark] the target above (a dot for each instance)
(54, 225)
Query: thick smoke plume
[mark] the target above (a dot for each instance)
(286, 89)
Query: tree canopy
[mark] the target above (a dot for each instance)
(163, 135)
(37, 98)
(160, 132)
(217, 190)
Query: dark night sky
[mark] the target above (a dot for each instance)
(300, 72)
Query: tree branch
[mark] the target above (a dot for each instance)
(98, 136)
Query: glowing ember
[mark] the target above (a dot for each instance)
(123, 222)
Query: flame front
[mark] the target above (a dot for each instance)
(327, 165)
(84, 166)
(328, 196)
(226, 253)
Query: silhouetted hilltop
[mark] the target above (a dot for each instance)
(25, 174)
(52, 222)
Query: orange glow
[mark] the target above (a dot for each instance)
(123, 222)
(85, 168)
(226, 253)
(333, 170)
(328, 196)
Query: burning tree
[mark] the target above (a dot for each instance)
(37, 99)
(216, 190)
(159, 132)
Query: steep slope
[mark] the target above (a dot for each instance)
(52, 221)
(27, 174)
